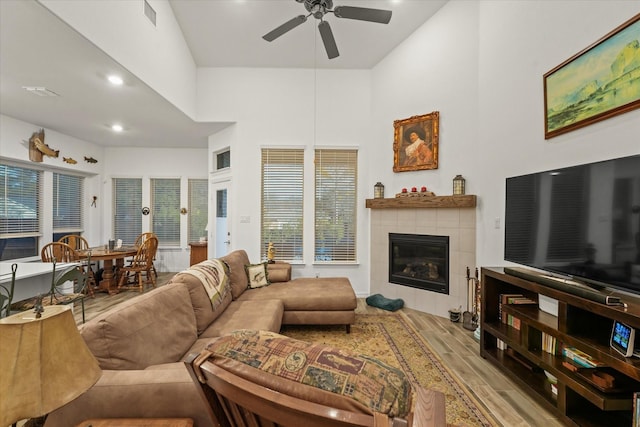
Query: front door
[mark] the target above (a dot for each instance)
(222, 228)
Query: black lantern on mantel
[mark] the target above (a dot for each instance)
(458, 185)
(378, 191)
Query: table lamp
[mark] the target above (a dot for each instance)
(44, 363)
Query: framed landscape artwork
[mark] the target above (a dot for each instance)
(600, 82)
(415, 143)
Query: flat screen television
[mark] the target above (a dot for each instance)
(581, 222)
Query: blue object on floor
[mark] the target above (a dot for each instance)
(379, 301)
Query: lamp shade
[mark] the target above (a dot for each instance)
(44, 363)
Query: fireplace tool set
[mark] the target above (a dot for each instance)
(470, 318)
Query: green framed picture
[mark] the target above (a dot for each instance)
(600, 82)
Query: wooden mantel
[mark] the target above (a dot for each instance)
(461, 201)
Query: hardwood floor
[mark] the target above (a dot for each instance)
(455, 345)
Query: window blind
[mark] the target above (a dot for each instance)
(20, 189)
(68, 191)
(336, 183)
(282, 203)
(20, 202)
(127, 202)
(198, 208)
(165, 210)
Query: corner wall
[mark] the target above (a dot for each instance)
(480, 64)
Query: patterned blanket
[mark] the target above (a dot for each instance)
(214, 276)
(372, 383)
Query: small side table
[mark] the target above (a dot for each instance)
(137, 422)
(198, 252)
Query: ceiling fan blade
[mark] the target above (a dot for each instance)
(287, 26)
(363, 14)
(328, 40)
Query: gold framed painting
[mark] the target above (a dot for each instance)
(415, 143)
(597, 83)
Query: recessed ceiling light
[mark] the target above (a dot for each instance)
(116, 128)
(115, 80)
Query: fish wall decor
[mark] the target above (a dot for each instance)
(90, 159)
(69, 160)
(37, 147)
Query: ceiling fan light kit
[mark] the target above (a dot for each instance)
(318, 9)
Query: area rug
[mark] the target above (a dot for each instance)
(392, 339)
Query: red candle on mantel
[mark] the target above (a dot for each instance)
(404, 190)
(423, 189)
(414, 189)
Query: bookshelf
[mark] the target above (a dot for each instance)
(523, 353)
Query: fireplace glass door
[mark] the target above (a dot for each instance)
(419, 261)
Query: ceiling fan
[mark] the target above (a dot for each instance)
(319, 8)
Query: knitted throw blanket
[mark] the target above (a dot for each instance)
(214, 276)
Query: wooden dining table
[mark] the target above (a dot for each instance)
(110, 257)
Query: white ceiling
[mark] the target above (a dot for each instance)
(38, 49)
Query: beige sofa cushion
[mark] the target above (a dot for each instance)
(236, 261)
(308, 294)
(156, 327)
(202, 307)
(279, 272)
(261, 315)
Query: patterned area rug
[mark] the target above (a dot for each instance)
(393, 340)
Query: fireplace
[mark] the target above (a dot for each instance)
(419, 261)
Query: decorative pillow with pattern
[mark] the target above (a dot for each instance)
(257, 275)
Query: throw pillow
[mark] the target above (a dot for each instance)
(257, 275)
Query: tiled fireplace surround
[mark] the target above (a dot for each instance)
(457, 222)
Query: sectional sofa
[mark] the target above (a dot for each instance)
(141, 344)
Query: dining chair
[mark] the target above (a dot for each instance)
(79, 275)
(77, 242)
(58, 252)
(6, 293)
(142, 262)
(62, 252)
(142, 237)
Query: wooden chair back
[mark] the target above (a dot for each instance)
(76, 242)
(142, 237)
(142, 262)
(58, 252)
(238, 402)
(146, 253)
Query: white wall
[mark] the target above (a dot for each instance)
(14, 149)
(481, 65)
(184, 163)
(289, 108)
(112, 162)
(158, 55)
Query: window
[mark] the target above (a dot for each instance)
(127, 202)
(198, 208)
(165, 210)
(282, 202)
(67, 205)
(336, 183)
(223, 160)
(20, 191)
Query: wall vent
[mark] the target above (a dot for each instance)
(149, 12)
(40, 91)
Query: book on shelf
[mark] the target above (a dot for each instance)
(512, 299)
(581, 358)
(513, 321)
(549, 343)
(501, 344)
